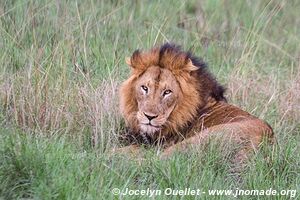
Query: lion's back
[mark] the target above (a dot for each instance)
(226, 115)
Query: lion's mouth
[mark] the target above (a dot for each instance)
(149, 128)
(151, 125)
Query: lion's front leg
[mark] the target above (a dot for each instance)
(185, 144)
(133, 151)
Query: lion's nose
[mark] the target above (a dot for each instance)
(150, 117)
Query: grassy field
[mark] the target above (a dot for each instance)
(61, 63)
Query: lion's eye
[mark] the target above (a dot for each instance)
(166, 92)
(144, 88)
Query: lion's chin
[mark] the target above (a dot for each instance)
(149, 129)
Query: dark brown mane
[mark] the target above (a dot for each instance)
(205, 78)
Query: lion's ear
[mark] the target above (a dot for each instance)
(132, 65)
(190, 66)
(135, 69)
(135, 61)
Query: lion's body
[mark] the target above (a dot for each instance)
(172, 100)
(222, 116)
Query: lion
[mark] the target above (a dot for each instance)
(172, 101)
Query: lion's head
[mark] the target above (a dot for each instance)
(165, 91)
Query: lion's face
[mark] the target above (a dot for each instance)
(162, 94)
(157, 93)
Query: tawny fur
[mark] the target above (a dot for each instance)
(198, 107)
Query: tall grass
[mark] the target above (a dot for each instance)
(62, 63)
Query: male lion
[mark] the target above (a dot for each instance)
(171, 100)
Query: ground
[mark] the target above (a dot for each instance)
(63, 61)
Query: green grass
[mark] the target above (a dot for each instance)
(61, 63)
